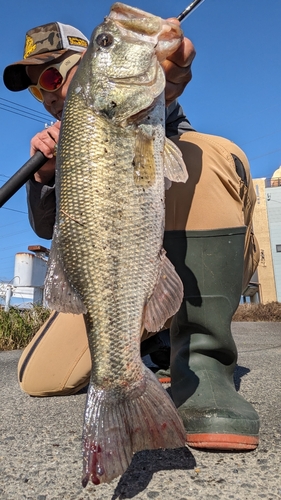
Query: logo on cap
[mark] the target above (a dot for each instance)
(74, 40)
(30, 46)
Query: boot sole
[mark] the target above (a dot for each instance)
(164, 380)
(224, 442)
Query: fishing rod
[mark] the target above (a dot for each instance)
(189, 9)
(38, 159)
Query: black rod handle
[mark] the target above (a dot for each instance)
(21, 176)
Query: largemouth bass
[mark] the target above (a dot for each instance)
(107, 260)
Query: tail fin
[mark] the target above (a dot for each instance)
(118, 424)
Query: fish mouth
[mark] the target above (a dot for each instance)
(166, 35)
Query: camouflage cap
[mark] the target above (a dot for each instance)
(43, 44)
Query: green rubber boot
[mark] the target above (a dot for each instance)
(203, 352)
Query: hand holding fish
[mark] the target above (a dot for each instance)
(177, 68)
(46, 141)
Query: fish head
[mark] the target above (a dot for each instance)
(121, 74)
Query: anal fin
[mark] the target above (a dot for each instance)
(166, 298)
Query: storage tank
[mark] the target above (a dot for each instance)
(30, 270)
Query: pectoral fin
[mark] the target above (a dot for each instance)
(144, 162)
(174, 166)
(166, 298)
(59, 294)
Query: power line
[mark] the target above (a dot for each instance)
(45, 115)
(261, 137)
(11, 223)
(265, 154)
(14, 210)
(14, 234)
(22, 114)
(22, 111)
(19, 109)
(13, 246)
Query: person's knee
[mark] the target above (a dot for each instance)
(57, 361)
(38, 385)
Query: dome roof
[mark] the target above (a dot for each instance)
(277, 173)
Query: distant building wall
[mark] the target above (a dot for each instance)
(273, 201)
(265, 269)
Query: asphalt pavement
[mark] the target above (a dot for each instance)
(40, 442)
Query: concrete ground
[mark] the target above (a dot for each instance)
(40, 442)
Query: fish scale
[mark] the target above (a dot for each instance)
(118, 242)
(107, 260)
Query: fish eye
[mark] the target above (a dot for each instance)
(104, 40)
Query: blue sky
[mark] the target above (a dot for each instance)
(235, 91)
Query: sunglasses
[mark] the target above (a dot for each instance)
(53, 77)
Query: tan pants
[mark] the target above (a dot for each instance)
(218, 194)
